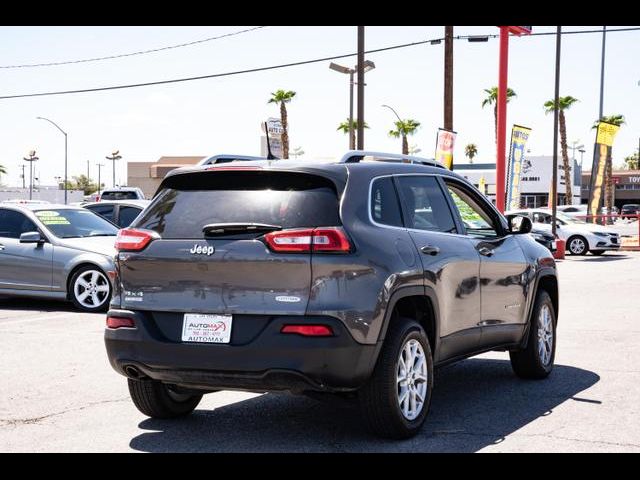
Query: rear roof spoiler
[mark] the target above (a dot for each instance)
(356, 156)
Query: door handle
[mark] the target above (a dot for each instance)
(486, 251)
(430, 250)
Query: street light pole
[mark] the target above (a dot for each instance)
(32, 158)
(100, 165)
(404, 135)
(114, 156)
(65, 153)
(360, 88)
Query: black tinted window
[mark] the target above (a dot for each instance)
(104, 210)
(13, 224)
(425, 205)
(119, 196)
(190, 201)
(128, 215)
(384, 203)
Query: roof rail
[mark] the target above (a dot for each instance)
(356, 156)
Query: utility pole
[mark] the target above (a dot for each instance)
(32, 158)
(554, 179)
(99, 165)
(23, 167)
(448, 78)
(360, 88)
(88, 171)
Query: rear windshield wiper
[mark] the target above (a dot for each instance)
(213, 229)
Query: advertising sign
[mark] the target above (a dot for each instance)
(274, 127)
(601, 155)
(444, 147)
(519, 137)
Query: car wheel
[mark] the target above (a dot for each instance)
(158, 400)
(396, 399)
(90, 289)
(597, 252)
(577, 245)
(536, 360)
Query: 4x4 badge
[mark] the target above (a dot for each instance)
(200, 250)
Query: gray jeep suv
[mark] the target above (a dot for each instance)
(354, 278)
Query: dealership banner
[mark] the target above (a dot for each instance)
(519, 137)
(601, 155)
(444, 147)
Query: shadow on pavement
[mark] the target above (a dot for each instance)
(606, 258)
(36, 305)
(476, 403)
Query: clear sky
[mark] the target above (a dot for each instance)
(223, 115)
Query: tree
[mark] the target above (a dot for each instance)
(608, 171)
(492, 99)
(344, 127)
(550, 106)
(403, 129)
(283, 97)
(84, 183)
(471, 151)
(631, 162)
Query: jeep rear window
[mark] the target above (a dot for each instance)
(188, 202)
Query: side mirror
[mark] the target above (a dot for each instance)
(31, 237)
(519, 224)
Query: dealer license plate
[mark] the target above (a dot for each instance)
(206, 328)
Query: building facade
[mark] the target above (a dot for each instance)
(627, 183)
(148, 175)
(535, 180)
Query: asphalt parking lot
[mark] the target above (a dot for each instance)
(60, 394)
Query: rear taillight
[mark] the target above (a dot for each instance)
(133, 240)
(308, 330)
(120, 322)
(324, 239)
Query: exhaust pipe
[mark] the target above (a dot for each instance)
(133, 372)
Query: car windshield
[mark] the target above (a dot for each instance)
(71, 223)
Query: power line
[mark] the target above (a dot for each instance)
(258, 69)
(131, 54)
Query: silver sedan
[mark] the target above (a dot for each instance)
(58, 252)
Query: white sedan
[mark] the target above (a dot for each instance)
(580, 237)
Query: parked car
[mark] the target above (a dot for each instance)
(347, 278)
(630, 210)
(25, 201)
(121, 193)
(579, 211)
(580, 237)
(544, 237)
(58, 252)
(120, 212)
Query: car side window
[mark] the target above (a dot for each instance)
(477, 219)
(105, 211)
(385, 208)
(424, 204)
(13, 224)
(127, 215)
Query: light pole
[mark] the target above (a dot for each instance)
(65, 153)
(368, 65)
(32, 158)
(99, 165)
(404, 135)
(114, 156)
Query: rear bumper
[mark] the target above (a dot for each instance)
(262, 360)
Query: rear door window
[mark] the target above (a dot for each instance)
(188, 202)
(105, 211)
(127, 215)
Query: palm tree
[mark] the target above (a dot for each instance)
(471, 151)
(608, 171)
(564, 103)
(631, 162)
(404, 128)
(281, 97)
(492, 99)
(344, 126)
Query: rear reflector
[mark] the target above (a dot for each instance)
(119, 322)
(130, 239)
(323, 239)
(308, 330)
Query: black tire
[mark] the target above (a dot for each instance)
(378, 399)
(576, 250)
(527, 363)
(102, 282)
(597, 252)
(156, 400)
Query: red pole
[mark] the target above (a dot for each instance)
(502, 118)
